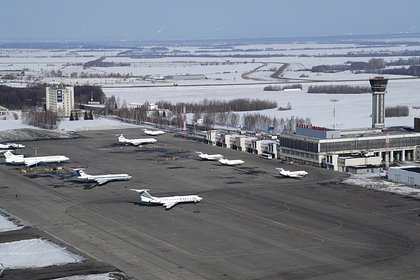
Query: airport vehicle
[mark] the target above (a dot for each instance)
(169, 201)
(11, 146)
(136, 142)
(102, 179)
(153, 132)
(292, 174)
(30, 161)
(209, 157)
(266, 156)
(232, 162)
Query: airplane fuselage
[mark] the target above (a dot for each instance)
(231, 162)
(30, 161)
(102, 179)
(210, 157)
(168, 201)
(154, 132)
(137, 142)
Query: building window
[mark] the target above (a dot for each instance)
(410, 181)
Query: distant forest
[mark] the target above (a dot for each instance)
(205, 106)
(374, 65)
(340, 89)
(25, 98)
(397, 111)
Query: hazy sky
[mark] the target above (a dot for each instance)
(201, 19)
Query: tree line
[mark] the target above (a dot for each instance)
(250, 121)
(42, 119)
(207, 117)
(374, 65)
(280, 88)
(237, 105)
(34, 96)
(397, 111)
(340, 89)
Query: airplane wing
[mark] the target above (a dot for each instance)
(101, 181)
(169, 205)
(32, 162)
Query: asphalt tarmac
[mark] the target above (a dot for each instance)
(251, 223)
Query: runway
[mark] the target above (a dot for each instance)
(251, 223)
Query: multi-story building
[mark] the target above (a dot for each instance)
(60, 99)
(339, 150)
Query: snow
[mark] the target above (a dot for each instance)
(13, 124)
(7, 223)
(33, 253)
(103, 276)
(100, 123)
(376, 182)
(317, 107)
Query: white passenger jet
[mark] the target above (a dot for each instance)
(11, 146)
(209, 157)
(30, 161)
(292, 174)
(102, 179)
(154, 132)
(136, 142)
(169, 201)
(231, 162)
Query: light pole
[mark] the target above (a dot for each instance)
(334, 100)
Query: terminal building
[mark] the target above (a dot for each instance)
(357, 150)
(60, 99)
(240, 142)
(348, 150)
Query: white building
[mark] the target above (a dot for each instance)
(60, 99)
(409, 175)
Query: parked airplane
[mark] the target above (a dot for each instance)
(231, 162)
(102, 179)
(136, 142)
(11, 146)
(209, 157)
(30, 161)
(292, 174)
(169, 201)
(153, 132)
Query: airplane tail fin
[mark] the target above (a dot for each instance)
(9, 155)
(122, 138)
(144, 193)
(80, 172)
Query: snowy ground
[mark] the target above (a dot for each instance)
(34, 253)
(99, 123)
(376, 182)
(7, 223)
(103, 276)
(352, 110)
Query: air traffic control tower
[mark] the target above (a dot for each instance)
(378, 85)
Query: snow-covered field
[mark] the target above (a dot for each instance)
(376, 182)
(7, 223)
(103, 276)
(34, 253)
(352, 110)
(99, 123)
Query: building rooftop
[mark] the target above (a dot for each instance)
(415, 169)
